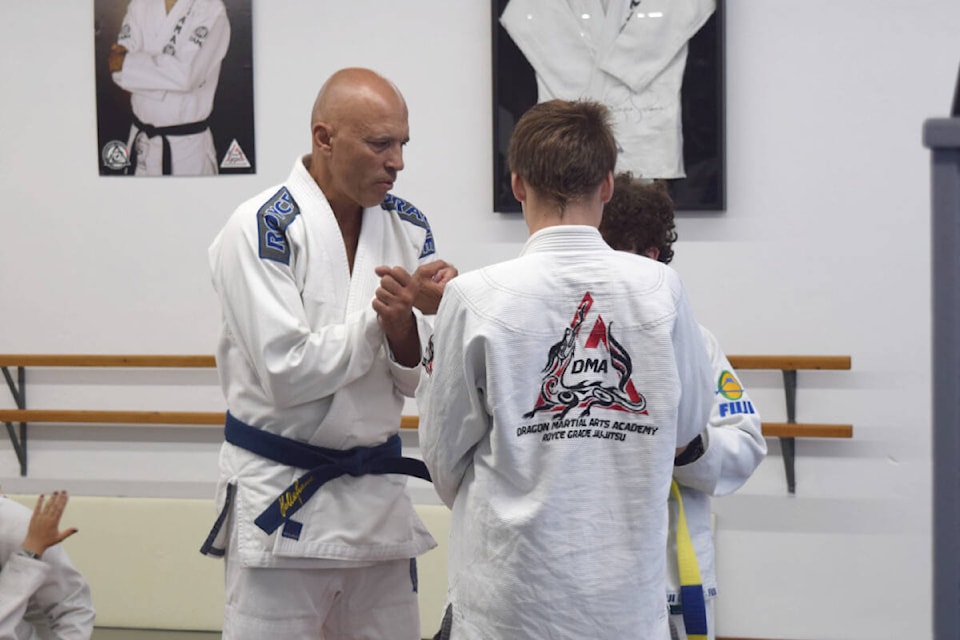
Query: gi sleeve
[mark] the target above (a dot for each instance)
(19, 578)
(453, 415)
(64, 598)
(131, 35)
(200, 48)
(693, 370)
(733, 441)
(264, 312)
(406, 379)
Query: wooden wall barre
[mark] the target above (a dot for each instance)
(787, 431)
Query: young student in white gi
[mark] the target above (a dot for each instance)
(639, 218)
(168, 55)
(42, 595)
(323, 282)
(562, 385)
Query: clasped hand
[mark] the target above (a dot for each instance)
(399, 292)
(433, 277)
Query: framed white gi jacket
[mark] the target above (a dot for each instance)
(630, 58)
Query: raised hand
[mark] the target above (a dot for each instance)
(44, 529)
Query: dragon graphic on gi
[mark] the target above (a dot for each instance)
(572, 382)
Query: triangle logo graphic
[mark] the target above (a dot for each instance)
(586, 370)
(235, 158)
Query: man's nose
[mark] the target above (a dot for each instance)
(395, 158)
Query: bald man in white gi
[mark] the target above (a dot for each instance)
(326, 282)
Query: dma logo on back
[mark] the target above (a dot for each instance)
(586, 373)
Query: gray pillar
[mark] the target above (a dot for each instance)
(942, 137)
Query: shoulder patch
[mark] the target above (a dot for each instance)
(409, 213)
(728, 386)
(273, 218)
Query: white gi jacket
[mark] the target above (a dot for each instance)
(171, 70)
(44, 599)
(630, 58)
(734, 446)
(558, 475)
(302, 355)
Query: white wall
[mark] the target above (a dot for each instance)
(823, 249)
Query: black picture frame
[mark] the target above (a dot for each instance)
(955, 106)
(702, 105)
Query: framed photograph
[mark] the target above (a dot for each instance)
(701, 144)
(174, 85)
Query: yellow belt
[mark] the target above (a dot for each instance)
(693, 606)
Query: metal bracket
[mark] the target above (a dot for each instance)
(788, 446)
(19, 392)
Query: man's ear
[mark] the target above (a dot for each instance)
(322, 135)
(606, 188)
(518, 187)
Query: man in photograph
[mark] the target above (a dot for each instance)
(167, 56)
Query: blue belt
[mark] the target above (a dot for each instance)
(323, 464)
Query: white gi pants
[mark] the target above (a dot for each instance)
(375, 602)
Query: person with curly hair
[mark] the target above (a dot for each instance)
(639, 219)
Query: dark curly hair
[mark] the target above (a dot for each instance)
(639, 217)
